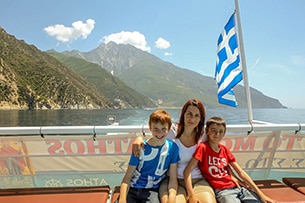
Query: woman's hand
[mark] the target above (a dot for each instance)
(137, 145)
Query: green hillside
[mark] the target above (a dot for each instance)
(111, 86)
(31, 79)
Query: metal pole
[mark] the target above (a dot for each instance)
(243, 63)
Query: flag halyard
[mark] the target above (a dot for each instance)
(228, 68)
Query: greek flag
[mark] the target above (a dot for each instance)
(228, 69)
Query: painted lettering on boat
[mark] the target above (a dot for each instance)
(89, 146)
(250, 143)
(86, 182)
(59, 160)
(124, 145)
(275, 163)
(72, 182)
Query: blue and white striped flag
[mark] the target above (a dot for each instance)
(228, 69)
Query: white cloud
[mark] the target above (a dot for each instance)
(135, 39)
(66, 34)
(162, 43)
(168, 54)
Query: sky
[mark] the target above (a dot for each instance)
(184, 33)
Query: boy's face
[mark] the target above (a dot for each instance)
(159, 130)
(215, 133)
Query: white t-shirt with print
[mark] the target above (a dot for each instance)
(185, 153)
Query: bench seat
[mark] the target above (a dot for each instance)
(296, 183)
(99, 194)
(279, 191)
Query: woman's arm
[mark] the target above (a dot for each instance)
(125, 184)
(172, 184)
(245, 177)
(137, 145)
(188, 180)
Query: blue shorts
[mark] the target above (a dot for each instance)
(143, 195)
(237, 195)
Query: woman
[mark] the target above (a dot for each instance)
(187, 134)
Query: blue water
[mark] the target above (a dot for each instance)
(13, 118)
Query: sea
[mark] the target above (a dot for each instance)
(100, 117)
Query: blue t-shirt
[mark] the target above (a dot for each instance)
(153, 164)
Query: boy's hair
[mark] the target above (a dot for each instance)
(160, 116)
(216, 120)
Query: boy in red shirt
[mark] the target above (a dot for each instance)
(214, 159)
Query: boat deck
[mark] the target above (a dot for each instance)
(292, 192)
(296, 183)
(85, 163)
(58, 195)
(280, 191)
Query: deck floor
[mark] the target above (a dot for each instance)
(102, 194)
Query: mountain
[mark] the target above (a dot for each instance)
(112, 87)
(32, 79)
(163, 82)
(110, 76)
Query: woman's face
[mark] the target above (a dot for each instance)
(191, 117)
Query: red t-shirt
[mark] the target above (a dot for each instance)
(213, 165)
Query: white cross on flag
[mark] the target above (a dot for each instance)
(228, 69)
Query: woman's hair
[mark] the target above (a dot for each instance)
(200, 127)
(160, 116)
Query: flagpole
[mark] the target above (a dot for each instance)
(243, 63)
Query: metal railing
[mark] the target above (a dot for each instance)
(89, 130)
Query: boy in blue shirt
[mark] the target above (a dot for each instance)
(145, 173)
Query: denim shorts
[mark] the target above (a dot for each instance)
(143, 195)
(237, 195)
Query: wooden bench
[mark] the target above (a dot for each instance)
(296, 183)
(279, 191)
(99, 194)
(272, 188)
